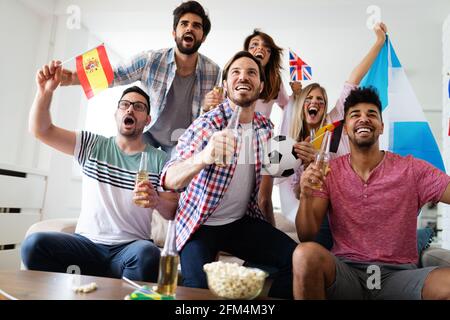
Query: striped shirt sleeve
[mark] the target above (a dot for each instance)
(85, 141)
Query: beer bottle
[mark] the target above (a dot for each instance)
(232, 125)
(168, 264)
(142, 175)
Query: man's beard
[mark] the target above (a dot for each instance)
(363, 144)
(188, 51)
(244, 102)
(129, 134)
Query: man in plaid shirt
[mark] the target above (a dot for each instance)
(176, 79)
(227, 207)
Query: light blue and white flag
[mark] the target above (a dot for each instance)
(406, 130)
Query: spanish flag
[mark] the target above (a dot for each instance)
(94, 71)
(336, 132)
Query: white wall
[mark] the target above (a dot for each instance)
(444, 219)
(21, 49)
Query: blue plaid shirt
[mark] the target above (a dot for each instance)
(203, 194)
(156, 70)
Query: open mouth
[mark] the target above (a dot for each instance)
(313, 111)
(259, 55)
(188, 37)
(129, 121)
(363, 130)
(242, 87)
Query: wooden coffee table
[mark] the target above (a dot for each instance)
(38, 285)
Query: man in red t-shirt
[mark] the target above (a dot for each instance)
(372, 197)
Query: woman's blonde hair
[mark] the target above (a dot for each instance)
(298, 126)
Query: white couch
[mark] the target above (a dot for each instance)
(430, 257)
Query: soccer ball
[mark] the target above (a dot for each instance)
(280, 159)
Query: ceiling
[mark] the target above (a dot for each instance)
(130, 26)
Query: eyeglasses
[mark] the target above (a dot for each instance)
(320, 103)
(137, 105)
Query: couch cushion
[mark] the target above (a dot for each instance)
(287, 226)
(159, 229)
(57, 225)
(435, 257)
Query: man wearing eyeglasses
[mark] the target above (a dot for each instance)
(176, 79)
(112, 237)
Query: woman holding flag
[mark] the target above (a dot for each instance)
(307, 112)
(310, 108)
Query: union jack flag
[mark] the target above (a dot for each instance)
(298, 68)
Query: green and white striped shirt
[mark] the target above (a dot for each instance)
(108, 213)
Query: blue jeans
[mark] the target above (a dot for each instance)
(249, 239)
(55, 251)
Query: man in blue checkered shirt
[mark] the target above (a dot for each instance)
(176, 79)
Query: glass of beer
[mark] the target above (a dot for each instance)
(233, 123)
(323, 162)
(217, 90)
(323, 158)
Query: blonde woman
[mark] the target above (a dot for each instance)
(310, 111)
(307, 111)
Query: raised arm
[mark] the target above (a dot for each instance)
(180, 173)
(361, 69)
(337, 113)
(40, 122)
(311, 210)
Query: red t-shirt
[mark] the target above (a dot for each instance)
(376, 221)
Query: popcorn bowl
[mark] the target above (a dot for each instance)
(232, 281)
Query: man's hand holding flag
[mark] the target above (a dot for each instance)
(93, 71)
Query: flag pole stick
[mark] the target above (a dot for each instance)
(318, 136)
(70, 59)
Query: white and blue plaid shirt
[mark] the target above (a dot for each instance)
(156, 71)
